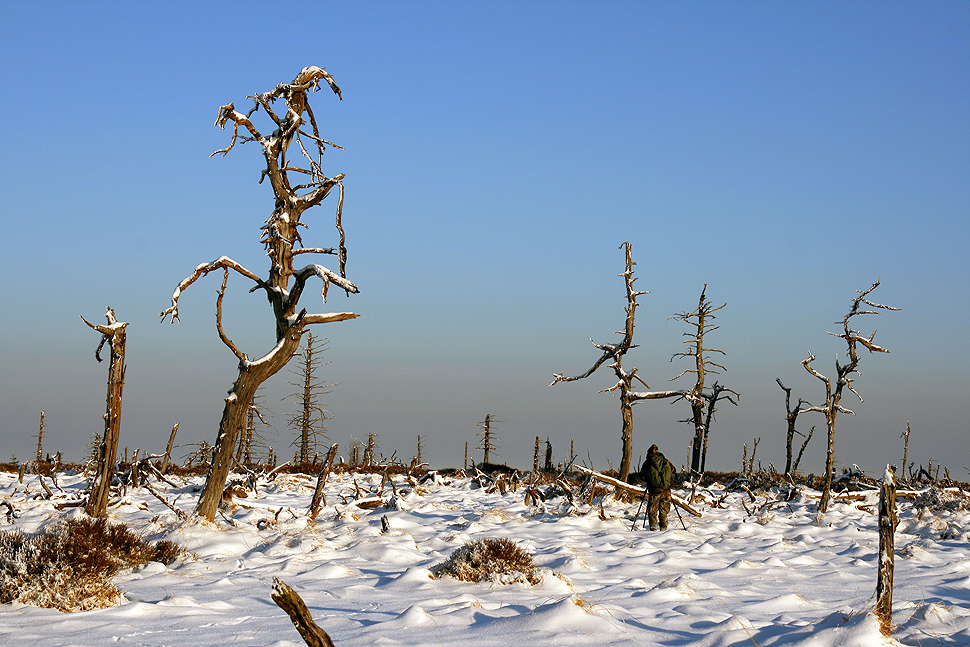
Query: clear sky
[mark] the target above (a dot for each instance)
(496, 156)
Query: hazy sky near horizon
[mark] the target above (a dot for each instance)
(496, 156)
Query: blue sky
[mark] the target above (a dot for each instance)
(497, 155)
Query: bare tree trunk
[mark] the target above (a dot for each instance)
(823, 502)
(168, 450)
(114, 335)
(700, 320)
(40, 439)
(288, 600)
(791, 416)
(486, 435)
(798, 459)
(321, 481)
(309, 423)
(626, 438)
(887, 552)
(902, 469)
(234, 417)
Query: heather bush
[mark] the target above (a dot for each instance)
(491, 560)
(69, 565)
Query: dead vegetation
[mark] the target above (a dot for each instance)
(69, 565)
(499, 561)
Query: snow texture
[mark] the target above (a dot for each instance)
(729, 579)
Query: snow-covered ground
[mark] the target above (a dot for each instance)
(731, 578)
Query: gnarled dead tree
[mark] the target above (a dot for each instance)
(625, 380)
(699, 321)
(298, 184)
(843, 380)
(112, 334)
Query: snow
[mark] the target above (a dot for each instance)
(774, 578)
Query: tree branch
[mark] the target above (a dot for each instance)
(222, 333)
(220, 263)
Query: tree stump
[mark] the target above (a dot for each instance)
(288, 600)
(887, 529)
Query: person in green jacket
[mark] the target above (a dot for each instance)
(658, 473)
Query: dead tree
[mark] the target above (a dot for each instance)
(488, 444)
(318, 495)
(309, 422)
(625, 380)
(250, 436)
(699, 321)
(298, 184)
(355, 449)
(904, 436)
(791, 415)
(844, 378)
(112, 334)
(718, 392)
(887, 551)
(40, 439)
(798, 459)
(168, 449)
(370, 451)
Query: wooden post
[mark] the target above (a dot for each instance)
(535, 458)
(887, 528)
(288, 600)
(168, 450)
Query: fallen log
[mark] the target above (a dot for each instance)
(632, 489)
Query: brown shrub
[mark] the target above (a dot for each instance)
(493, 560)
(69, 565)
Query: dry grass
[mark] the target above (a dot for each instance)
(498, 561)
(70, 564)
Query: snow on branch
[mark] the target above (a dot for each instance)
(223, 262)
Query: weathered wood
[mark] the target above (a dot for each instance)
(834, 388)
(285, 284)
(887, 552)
(632, 489)
(40, 439)
(902, 468)
(700, 321)
(318, 495)
(626, 380)
(154, 492)
(114, 335)
(168, 450)
(290, 601)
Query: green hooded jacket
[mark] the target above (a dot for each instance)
(659, 472)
